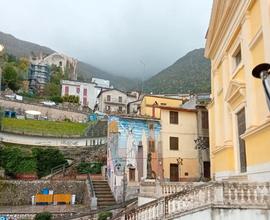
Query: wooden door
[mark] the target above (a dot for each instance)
(174, 172)
(241, 120)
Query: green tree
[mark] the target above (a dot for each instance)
(47, 159)
(11, 77)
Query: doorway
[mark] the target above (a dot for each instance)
(174, 172)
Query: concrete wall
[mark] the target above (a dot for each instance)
(52, 113)
(50, 141)
(16, 193)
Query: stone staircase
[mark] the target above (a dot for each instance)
(103, 193)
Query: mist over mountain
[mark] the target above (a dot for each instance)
(191, 73)
(21, 48)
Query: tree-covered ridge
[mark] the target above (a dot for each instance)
(190, 73)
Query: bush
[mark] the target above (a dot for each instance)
(92, 168)
(56, 99)
(43, 216)
(15, 160)
(104, 215)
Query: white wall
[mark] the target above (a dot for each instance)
(73, 85)
(50, 141)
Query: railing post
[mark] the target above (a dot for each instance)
(218, 193)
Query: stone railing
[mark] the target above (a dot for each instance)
(168, 188)
(219, 195)
(157, 189)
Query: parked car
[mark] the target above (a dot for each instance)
(48, 103)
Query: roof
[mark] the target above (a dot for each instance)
(161, 97)
(179, 109)
(75, 82)
(107, 90)
(135, 117)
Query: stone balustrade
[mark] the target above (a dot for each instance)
(214, 194)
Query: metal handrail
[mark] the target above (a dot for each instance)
(93, 194)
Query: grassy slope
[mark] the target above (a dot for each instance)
(44, 128)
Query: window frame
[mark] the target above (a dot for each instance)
(173, 118)
(172, 143)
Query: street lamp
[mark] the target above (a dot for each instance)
(262, 71)
(180, 163)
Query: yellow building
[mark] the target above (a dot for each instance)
(178, 132)
(150, 103)
(238, 39)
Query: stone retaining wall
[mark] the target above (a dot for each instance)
(17, 193)
(53, 113)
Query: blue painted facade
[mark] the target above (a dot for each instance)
(125, 136)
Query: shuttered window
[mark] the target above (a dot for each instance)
(173, 143)
(173, 117)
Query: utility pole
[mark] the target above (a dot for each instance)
(143, 73)
(1, 54)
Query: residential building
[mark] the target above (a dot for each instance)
(238, 40)
(114, 101)
(133, 153)
(150, 103)
(134, 108)
(85, 91)
(39, 76)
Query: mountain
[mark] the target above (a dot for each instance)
(191, 73)
(20, 48)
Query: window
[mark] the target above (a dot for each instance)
(131, 174)
(173, 143)
(108, 108)
(85, 92)
(120, 109)
(205, 120)
(66, 90)
(108, 98)
(78, 90)
(60, 63)
(237, 56)
(151, 144)
(173, 117)
(120, 99)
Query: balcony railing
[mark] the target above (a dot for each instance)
(219, 195)
(115, 101)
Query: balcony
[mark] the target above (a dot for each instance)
(115, 101)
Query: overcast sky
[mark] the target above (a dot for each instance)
(117, 36)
